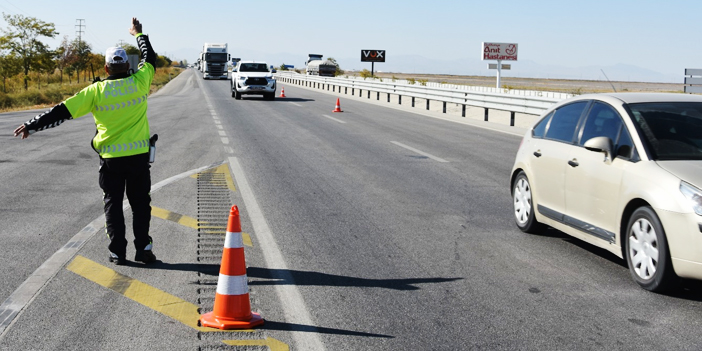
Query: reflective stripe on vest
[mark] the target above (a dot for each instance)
(124, 147)
(122, 105)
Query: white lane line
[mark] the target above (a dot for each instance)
(15, 304)
(228, 149)
(291, 300)
(296, 104)
(419, 152)
(225, 141)
(222, 133)
(334, 119)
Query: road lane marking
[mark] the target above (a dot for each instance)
(147, 295)
(13, 306)
(334, 119)
(419, 152)
(296, 104)
(294, 308)
(273, 344)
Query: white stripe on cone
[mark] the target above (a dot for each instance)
(233, 241)
(232, 285)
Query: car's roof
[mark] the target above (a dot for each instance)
(633, 98)
(249, 61)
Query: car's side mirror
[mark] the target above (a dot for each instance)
(600, 144)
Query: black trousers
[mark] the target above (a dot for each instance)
(130, 173)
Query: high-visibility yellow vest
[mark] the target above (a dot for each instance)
(119, 110)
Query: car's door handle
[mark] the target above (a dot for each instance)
(573, 163)
(537, 153)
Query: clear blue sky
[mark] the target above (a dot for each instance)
(663, 36)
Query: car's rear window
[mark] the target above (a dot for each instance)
(671, 130)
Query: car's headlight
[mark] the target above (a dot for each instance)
(242, 78)
(693, 195)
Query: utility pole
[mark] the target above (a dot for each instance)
(79, 32)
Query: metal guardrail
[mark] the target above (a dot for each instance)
(514, 101)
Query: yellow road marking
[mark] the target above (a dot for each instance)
(191, 222)
(273, 344)
(222, 169)
(153, 298)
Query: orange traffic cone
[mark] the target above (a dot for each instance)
(338, 108)
(232, 309)
(282, 92)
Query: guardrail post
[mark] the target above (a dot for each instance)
(463, 111)
(486, 114)
(399, 99)
(444, 106)
(511, 119)
(353, 91)
(346, 90)
(388, 97)
(378, 96)
(413, 101)
(360, 92)
(369, 94)
(427, 104)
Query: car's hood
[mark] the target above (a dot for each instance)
(256, 74)
(689, 171)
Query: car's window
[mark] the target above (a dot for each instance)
(540, 128)
(671, 130)
(624, 147)
(564, 121)
(602, 120)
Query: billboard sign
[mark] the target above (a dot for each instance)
(500, 51)
(372, 55)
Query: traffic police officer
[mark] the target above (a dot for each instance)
(118, 105)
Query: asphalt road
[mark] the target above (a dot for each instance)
(378, 228)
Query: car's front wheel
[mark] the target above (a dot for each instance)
(523, 206)
(647, 251)
(236, 94)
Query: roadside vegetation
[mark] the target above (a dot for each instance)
(33, 75)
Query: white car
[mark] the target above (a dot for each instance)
(622, 172)
(253, 78)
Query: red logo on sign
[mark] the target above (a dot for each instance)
(511, 49)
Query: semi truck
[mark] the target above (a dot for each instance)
(213, 61)
(318, 67)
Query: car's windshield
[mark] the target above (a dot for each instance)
(253, 67)
(216, 57)
(672, 130)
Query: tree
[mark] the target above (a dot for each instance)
(282, 67)
(46, 64)
(10, 66)
(339, 71)
(22, 38)
(130, 49)
(64, 55)
(81, 50)
(162, 61)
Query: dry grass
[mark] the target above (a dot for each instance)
(49, 95)
(538, 84)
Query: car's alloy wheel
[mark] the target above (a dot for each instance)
(647, 251)
(523, 205)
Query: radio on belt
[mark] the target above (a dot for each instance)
(152, 148)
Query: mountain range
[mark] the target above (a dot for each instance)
(465, 66)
